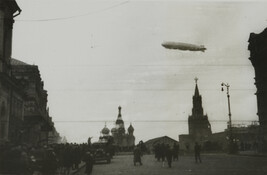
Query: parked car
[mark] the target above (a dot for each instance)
(100, 152)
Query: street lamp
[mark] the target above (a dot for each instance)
(231, 144)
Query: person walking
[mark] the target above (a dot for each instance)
(89, 162)
(137, 155)
(169, 155)
(49, 163)
(175, 150)
(163, 153)
(157, 152)
(67, 159)
(197, 152)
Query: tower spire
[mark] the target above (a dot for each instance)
(196, 88)
(119, 113)
(119, 119)
(119, 110)
(196, 79)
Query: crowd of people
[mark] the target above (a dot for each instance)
(62, 158)
(45, 160)
(164, 151)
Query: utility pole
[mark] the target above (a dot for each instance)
(231, 142)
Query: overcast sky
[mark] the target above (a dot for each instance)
(96, 55)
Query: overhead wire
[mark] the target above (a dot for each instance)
(71, 17)
(151, 65)
(88, 90)
(147, 121)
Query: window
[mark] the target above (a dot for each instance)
(3, 111)
(2, 130)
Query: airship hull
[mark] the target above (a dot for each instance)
(183, 46)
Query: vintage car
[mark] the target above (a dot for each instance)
(100, 152)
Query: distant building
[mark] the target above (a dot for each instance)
(53, 135)
(123, 140)
(258, 58)
(199, 126)
(150, 144)
(64, 140)
(246, 138)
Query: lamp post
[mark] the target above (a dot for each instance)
(231, 144)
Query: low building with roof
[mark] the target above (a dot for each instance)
(150, 144)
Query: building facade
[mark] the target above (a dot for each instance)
(38, 126)
(23, 101)
(245, 138)
(258, 57)
(11, 95)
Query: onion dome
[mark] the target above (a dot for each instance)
(105, 131)
(130, 129)
(114, 130)
(121, 130)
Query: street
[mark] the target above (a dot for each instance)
(211, 165)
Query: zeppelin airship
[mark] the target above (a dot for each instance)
(183, 46)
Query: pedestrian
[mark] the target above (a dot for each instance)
(24, 167)
(162, 151)
(157, 151)
(67, 162)
(169, 155)
(89, 162)
(137, 155)
(50, 162)
(14, 160)
(197, 152)
(175, 151)
(76, 156)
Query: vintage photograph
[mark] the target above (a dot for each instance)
(133, 87)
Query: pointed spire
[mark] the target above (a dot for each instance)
(196, 88)
(119, 114)
(119, 110)
(119, 119)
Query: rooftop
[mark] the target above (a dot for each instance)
(15, 62)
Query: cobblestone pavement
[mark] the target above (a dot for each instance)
(211, 165)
